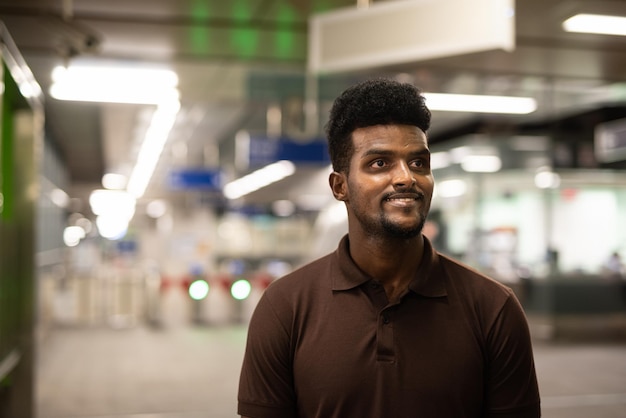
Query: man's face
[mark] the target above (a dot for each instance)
(389, 186)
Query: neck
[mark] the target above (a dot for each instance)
(392, 261)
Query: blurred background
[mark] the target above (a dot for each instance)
(162, 162)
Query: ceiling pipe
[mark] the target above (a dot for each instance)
(68, 10)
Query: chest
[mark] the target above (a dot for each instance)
(356, 348)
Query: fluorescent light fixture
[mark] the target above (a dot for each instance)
(481, 163)
(547, 179)
(111, 227)
(451, 188)
(114, 181)
(125, 84)
(85, 224)
(156, 208)
(59, 198)
(259, 179)
(439, 160)
(72, 235)
(156, 135)
(111, 84)
(112, 202)
(114, 210)
(480, 103)
(600, 24)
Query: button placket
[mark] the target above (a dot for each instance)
(385, 342)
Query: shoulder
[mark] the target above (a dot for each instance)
(486, 301)
(302, 286)
(308, 275)
(472, 282)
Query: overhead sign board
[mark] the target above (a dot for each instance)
(264, 150)
(195, 179)
(404, 31)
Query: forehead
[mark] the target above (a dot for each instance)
(386, 137)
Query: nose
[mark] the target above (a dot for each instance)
(403, 176)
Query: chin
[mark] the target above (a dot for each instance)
(396, 231)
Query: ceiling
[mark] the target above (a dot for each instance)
(236, 58)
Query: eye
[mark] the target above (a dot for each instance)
(377, 163)
(420, 163)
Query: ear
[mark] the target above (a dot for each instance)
(338, 185)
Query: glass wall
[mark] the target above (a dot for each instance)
(511, 215)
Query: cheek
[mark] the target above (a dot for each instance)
(359, 196)
(427, 184)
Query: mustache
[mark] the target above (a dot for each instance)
(410, 194)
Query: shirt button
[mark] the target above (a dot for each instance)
(385, 319)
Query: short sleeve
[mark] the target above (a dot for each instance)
(512, 389)
(266, 380)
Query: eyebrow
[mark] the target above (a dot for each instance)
(384, 152)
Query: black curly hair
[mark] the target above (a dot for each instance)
(377, 101)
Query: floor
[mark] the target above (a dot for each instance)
(192, 372)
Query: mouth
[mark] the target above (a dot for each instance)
(403, 199)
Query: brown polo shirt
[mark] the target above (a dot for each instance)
(325, 342)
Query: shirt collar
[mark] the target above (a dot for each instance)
(428, 281)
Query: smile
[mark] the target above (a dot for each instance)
(403, 200)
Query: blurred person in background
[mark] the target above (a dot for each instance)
(386, 326)
(614, 266)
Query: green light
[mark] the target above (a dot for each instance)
(284, 39)
(200, 9)
(199, 290)
(241, 11)
(241, 289)
(244, 40)
(199, 35)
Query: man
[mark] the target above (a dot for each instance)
(385, 326)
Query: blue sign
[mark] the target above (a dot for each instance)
(264, 150)
(127, 246)
(196, 179)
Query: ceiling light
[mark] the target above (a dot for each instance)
(72, 235)
(111, 227)
(451, 188)
(156, 208)
(259, 179)
(547, 179)
(114, 181)
(114, 210)
(481, 163)
(156, 135)
(126, 84)
(480, 103)
(439, 160)
(114, 84)
(59, 198)
(600, 24)
(112, 202)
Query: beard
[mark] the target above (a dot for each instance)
(393, 230)
(383, 227)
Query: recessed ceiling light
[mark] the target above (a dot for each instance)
(480, 103)
(111, 84)
(600, 24)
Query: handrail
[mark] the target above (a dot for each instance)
(9, 362)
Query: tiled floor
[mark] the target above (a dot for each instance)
(192, 372)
